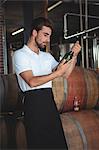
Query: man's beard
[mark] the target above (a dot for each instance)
(39, 45)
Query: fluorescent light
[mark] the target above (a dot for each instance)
(55, 5)
(18, 31)
(50, 8)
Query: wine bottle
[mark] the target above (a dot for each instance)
(66, 57)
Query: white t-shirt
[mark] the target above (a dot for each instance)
(25, 59)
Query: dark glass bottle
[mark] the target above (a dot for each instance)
(67, 56)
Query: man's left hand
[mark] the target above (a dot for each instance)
(76, 48)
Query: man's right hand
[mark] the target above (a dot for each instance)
(63, 67)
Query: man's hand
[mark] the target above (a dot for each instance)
(66, 69)
(76, 48)
(63, 68)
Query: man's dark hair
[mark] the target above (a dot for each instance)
(39, 22)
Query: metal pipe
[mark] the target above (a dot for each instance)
(81, 33)
(65, 25)
(86, 27)
(81, 29)
(74, 14)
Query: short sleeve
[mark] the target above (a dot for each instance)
(21, 62)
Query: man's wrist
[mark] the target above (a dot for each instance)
(75, 56)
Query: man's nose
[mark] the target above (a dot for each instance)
(48, 39)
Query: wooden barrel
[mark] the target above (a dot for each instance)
(7, 132)
(92, 93)
(12, 133)
(20, 132)
(1, 93)
(9, 94)
(58, 87)
(82, 83)
(3, 134)
(81, 129)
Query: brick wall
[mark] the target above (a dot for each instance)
(1, 41)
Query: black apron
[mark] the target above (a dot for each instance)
(42, 120)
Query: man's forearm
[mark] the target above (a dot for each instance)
(39, 80)
(71, 67)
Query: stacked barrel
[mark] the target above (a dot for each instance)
(81, 127)
(82, 84)
(12, 129)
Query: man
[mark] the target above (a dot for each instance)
(35, 72)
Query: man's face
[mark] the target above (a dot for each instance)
(43, 37)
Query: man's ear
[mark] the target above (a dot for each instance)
(34, 32)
